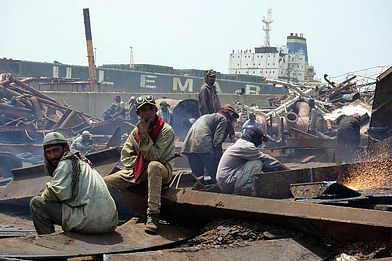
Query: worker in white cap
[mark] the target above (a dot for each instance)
(83, 143)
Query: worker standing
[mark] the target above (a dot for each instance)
(165, 112)
(207, 97)
(203, 143)
(348, 138)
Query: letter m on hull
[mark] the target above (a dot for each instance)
(186, 87)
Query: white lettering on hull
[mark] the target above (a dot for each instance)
(186, 87)
(147, 81)
(252, 89)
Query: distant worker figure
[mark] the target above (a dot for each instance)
(250, 122)
(242, 160)
(203, 143)
(348, 138)
(208, 97)
(120, 107)
(165, 112)
(133, 117)
(148, 158)
(109, 113)
(76, 198)
(83, 143)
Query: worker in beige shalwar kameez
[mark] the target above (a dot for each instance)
(76, 198)
(147, 156)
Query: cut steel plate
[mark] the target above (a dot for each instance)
(323, 189)
(127, 238)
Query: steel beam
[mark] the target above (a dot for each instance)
(343, 223)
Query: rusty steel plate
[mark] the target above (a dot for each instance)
(268, 249)
(127, 238)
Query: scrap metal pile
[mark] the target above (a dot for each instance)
(28, 114)
(24, 109)
(309, 116)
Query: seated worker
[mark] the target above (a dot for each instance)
(203, 143)
(251, 121)
(109, 113)
(147, 156)
(83, 143)
(76, 198)
(120, 107)
(165, 112)
(242, 160)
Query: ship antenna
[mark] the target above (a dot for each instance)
(267, 20)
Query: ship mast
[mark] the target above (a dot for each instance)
(90, 54)
(267, 20)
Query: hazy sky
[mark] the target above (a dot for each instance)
(342, 35)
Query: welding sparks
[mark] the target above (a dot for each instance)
(376, 174)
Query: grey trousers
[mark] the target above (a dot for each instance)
(251, 168)
(45, 214)
(199, 161)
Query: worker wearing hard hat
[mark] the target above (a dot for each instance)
(147, 156)
(83, 143)
(76, 197)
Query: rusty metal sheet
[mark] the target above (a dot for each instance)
(311, 143)
(381, 120)
(323, 189)
(29, 182)
(300, 134)
(270, 249)
(127, 238)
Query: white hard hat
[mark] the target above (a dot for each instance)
(86, 133)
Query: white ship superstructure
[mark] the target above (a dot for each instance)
(288, 62)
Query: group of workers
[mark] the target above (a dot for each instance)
(79, 199)
(127, 110)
